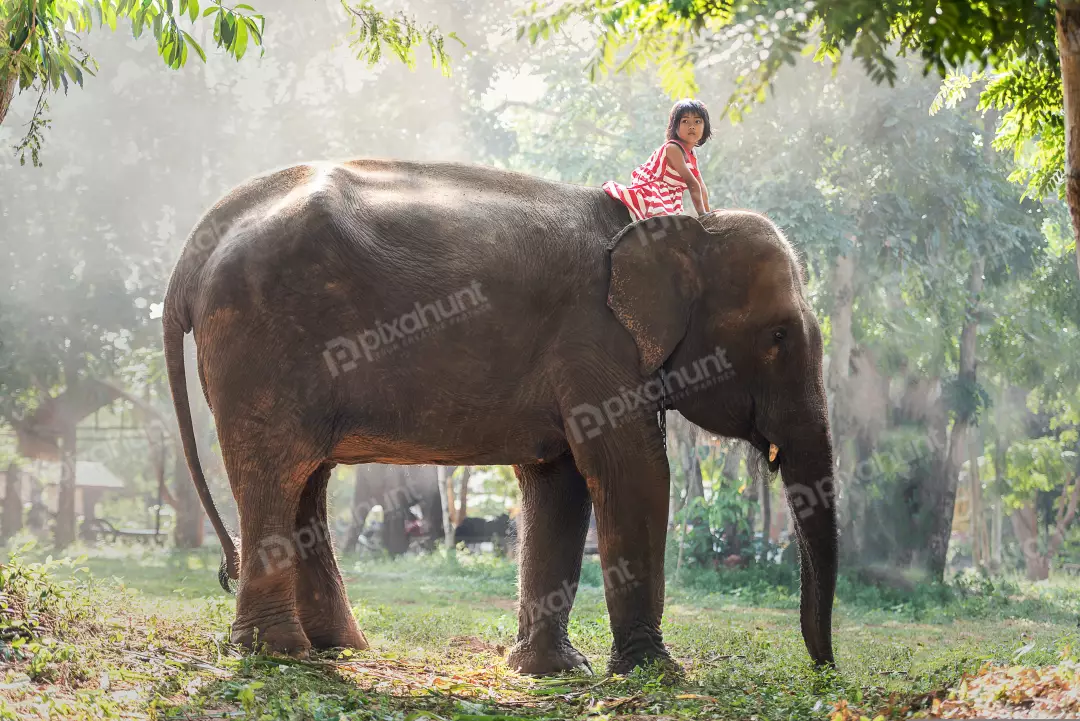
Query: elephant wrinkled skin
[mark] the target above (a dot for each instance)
(403, 313)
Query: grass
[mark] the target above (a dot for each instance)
(143, 633)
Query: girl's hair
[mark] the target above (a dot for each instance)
(681, 109)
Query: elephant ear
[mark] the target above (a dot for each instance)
(654, 282)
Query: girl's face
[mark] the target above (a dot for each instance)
(691, 127)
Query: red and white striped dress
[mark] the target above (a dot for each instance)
(657, 188)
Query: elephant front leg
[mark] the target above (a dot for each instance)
(321, 601)
(628, 478)
(552, 526)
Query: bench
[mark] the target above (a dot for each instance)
(103, 529)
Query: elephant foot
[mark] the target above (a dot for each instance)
(286, 637)
(643, 648)
(534, 660)
(623, 665)
(342, 633)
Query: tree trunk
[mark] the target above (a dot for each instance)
(431, 503)
(1025, 524)
(8, 78)
(1026, 528)
(999, 514)
(189, 530)
(7, 94)
(11, 521)
(752, 499)
(65, 531)
(979, 550)
(695, 484)
(1068, 34)
(463, 500)
(960, 438)
(359, 512)
(732, 457)
(941, 524)
(685, 436)
(766, 515)
(446, 492)
(841, 345)
(451, 493)
(841, 341)
(997, 521)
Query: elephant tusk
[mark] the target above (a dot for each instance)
(773, 450)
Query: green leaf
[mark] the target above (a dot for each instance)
(192, 43)
(228, 30)
(240, 46)
(253, 27)
(19, 37)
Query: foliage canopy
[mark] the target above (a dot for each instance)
(40, 41)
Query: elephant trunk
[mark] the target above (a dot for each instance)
(807, 469)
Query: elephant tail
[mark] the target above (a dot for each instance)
(175, 329)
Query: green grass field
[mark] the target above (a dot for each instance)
(144, 634)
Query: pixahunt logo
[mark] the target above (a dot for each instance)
(342, 353)
(588, 421)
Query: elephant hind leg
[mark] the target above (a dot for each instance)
(267, 499)
(555, 507)
(321, 601)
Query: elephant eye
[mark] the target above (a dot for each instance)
(779, 334)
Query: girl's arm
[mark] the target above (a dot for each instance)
(705, 196)
(675, 157)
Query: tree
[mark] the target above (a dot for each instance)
(40, 40)
(1032, 49)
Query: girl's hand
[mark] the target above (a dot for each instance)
(697, 189)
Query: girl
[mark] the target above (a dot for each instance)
(659, 183)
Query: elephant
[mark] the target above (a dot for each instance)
(474, 531)
(395, 489)
(383, 311)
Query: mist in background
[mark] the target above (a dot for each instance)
(896, 213)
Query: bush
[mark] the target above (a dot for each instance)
(714, 530)
(37, 612)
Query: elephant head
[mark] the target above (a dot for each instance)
(717, 307)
